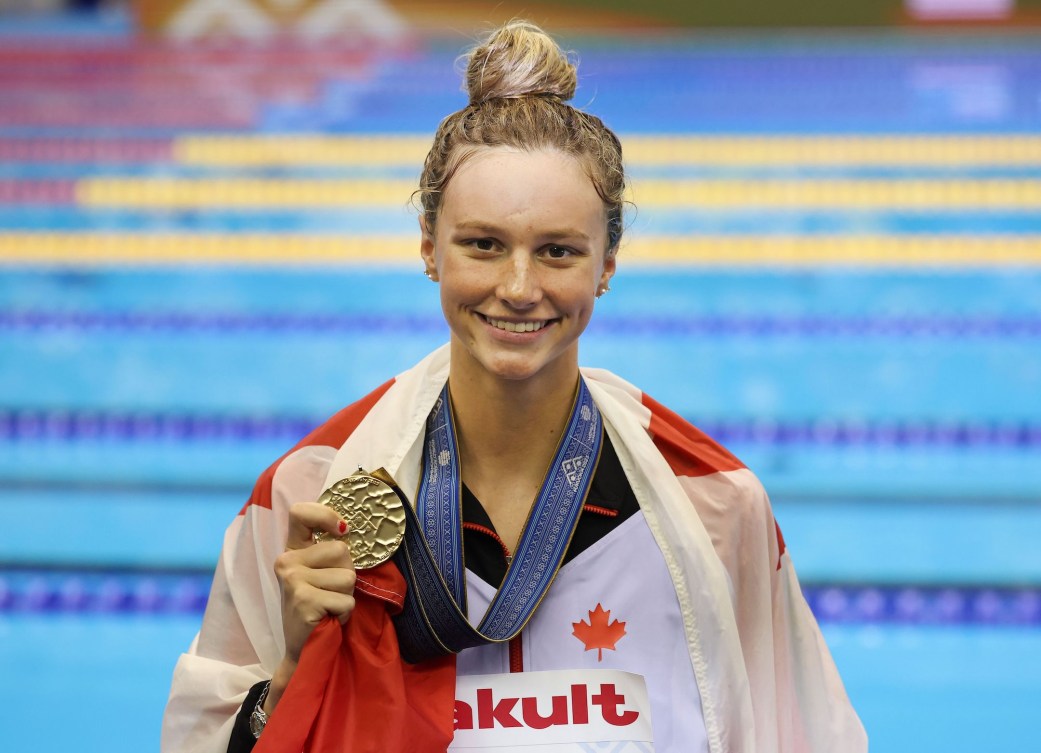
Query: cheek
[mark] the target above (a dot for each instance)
(582, 300)
(449, 297)
(457, 288)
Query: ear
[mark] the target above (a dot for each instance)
(609, 269)
(426, 249)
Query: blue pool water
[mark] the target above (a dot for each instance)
(892, 410)
(930, 690)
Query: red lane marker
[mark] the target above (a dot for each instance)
(93, 151)
(37, 191)
(134, 116)
(115, 57)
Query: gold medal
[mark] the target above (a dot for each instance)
(374, 512)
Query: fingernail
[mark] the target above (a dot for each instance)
(343, 527)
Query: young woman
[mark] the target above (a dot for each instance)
(575, 524)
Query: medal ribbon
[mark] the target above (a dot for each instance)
(434, 619)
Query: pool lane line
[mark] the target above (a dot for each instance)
(991, 327)
(185, 193)
(231, 192)
(409, 150)
(723, 251)
(27, 424)
(674, 222)
(71, 591)
(639, 150)
(72, 151)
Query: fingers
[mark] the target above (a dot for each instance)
(317, 580)
(326, 565)
(304, 608)
(307, 517)
(340, 580)
(323, 554)
(315, 603)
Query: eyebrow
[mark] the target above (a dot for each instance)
(482, 227)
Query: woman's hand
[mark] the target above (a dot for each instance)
(316, 580)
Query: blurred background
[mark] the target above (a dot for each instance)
(834, 267)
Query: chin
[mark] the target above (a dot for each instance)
(514, 372)
(478, 358)
(521, 368)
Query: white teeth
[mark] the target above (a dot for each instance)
(516, 326)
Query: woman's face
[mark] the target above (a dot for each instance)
(519, 250)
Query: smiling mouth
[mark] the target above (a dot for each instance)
(506, 326)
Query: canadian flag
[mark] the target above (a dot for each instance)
(337, 699)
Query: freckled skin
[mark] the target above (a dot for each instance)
(521, 237)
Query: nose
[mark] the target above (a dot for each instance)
(519, 286)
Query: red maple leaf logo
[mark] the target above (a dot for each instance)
(599, 632)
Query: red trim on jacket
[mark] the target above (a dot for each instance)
(491, 534)
(332, 433)
(688, 450)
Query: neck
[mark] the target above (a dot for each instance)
(510, 424)
(508, 431)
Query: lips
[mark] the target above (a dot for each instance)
(508, 326)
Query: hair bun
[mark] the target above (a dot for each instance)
(519, 60)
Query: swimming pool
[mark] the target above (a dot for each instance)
(875, 360)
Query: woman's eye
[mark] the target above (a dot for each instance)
(558, 252)
(484, 244)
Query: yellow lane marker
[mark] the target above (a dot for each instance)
(165, 193)
(840, 194)
(894, 151)
(815, 251)
(97, 249)
(288, 250)
(640, 150)
(174, 193)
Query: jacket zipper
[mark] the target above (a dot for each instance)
(516, 645)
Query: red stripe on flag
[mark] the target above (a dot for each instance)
(333, 433)
(687, 449)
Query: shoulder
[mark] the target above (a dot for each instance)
(688, 450)
(313, 454)
(727, 496)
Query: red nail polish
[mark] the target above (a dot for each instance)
(343, 527)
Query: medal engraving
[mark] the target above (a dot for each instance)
(375, 514)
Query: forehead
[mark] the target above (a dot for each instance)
(502, 183)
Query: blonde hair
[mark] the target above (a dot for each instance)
(519, 82)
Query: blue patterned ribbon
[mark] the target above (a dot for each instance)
(433, 621)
